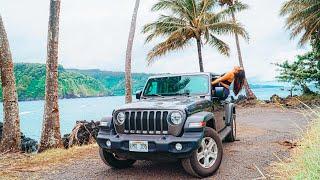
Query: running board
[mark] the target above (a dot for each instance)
(224, 133)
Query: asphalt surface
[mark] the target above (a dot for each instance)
(261, 132)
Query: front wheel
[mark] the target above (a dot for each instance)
(114, 161)
(206, 160)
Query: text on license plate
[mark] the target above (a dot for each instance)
(138, 146)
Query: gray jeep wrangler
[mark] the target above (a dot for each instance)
(176, 117)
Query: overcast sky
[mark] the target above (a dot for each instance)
(93, 34)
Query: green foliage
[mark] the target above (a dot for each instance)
(30, 80)
(315, 42)
(302, 18)
(302, 72)
(201, 20)
(115, 81)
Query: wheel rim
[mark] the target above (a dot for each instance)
(207, 153)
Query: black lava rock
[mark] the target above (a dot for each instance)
(28, 145)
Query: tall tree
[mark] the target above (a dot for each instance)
(231, 3)
(303, 72)
(11, 137)
(302, 19)
(51, 137)
(129, 53)
(188, 20)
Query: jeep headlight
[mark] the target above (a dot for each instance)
(176, 118)
(121, 118)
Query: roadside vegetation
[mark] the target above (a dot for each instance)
(305, 160)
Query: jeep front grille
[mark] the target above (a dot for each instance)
(146, 122)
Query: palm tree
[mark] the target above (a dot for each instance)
(51, 137)
(302, 18)
(191, 19)
(129, 53)
(11, 137)
(232, 3)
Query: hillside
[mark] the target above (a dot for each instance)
(114, 81)
(73, 83)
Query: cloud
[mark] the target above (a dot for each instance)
(93, 34)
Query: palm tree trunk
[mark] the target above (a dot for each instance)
(11, 137)
(249, 93)
(129, 53)
(51, 137)
(200, 55)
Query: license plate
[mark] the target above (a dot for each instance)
(138, 146)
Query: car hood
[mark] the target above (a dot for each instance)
(189, 104)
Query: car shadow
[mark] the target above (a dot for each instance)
(148, 170)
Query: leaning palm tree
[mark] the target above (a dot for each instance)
(303, 18)
(51, 137)
(129, 53)
(231, 4)
(11, 136)
(188, 20)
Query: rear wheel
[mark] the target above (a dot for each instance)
(233, 134)
(112, 160)
(207, 158)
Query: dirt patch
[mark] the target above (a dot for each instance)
(250, 130)
(19, 164)
(289, 144)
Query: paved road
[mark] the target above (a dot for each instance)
(259, 132)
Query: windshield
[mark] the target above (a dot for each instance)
(177, 85)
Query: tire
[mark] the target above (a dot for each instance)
(232, 136)
(111, 160)
(198, 168)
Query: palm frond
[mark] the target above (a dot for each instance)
(221, 46)
(302, 17)
(228, 27)
(174, 42)
(164, 26)
(175, 6)
(193, 19)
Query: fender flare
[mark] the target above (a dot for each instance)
(106, 123)
(230, 110)
(196, 118)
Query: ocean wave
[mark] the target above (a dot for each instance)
(26, 112)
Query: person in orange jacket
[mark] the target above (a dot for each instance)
(236, 75)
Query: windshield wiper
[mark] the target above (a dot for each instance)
(181, 94)
(159, 95)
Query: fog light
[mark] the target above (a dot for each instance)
(108, 143)
(178, 146)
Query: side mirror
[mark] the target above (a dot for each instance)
(138, 94)
(219, 92)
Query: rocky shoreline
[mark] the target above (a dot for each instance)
(28, 145)
(290, 102)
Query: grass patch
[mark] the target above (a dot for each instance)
(305, 160)
(309, 97)
(13, 164)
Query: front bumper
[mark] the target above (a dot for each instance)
(159, 146)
